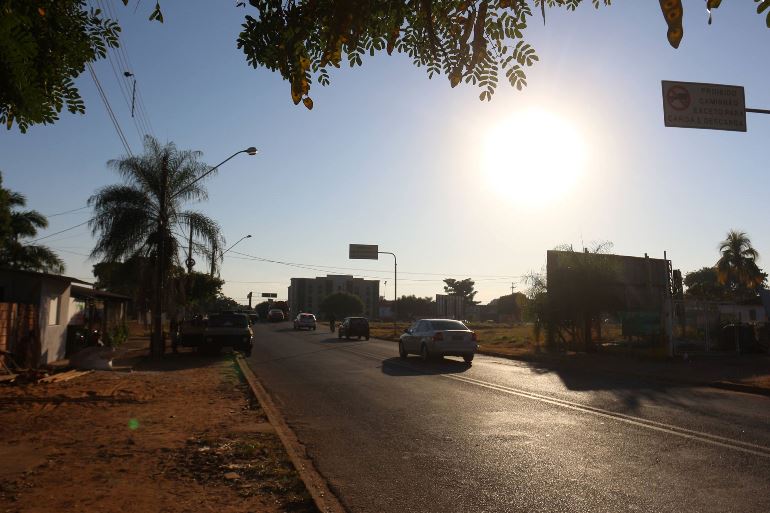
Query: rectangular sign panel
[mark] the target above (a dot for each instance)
(363, 252)
(269, 294)
(709, 106)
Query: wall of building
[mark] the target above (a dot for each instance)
(307, 294)
(53, 319)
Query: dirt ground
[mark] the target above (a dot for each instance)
(178, 435)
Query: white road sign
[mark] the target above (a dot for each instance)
(363, 251)
(710, 106)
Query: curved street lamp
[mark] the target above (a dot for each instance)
(222, 255)
(157, 345)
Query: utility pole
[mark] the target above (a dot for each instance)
(190, 261)
(157, 346)
(213, 259)
(513, 287)
(249, 296)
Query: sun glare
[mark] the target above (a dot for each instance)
(535, 157)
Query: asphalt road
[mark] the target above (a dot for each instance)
(505, 436)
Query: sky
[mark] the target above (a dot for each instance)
(449, 183)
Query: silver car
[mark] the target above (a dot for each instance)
(304, 320)
(439, 338)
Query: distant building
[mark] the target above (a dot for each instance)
(450, 306)
(306, 294)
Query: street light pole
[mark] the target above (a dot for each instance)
(157, 344)
(225, 251)
(395, 288)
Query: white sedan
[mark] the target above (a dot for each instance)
(439, 338)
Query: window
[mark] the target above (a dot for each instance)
(53, 310)
(448, 325)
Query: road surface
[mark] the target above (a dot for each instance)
(506, 436)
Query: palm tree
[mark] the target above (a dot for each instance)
(737, 267)
(20, 225)
(145, 215)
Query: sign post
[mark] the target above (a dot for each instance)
(708, 106)
(371, 252)
(705, 106)
(363, 252)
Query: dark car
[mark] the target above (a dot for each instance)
(354, 327)
(226, 329)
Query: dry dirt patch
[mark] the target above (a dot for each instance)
(181, 435)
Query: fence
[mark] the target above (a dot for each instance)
(19, 333)
(711, 327)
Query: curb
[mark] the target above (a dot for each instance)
(316, 485)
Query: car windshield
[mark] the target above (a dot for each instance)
(448, 325)
(228, 321)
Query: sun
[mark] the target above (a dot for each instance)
(535, 157)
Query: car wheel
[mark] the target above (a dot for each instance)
(424, 354)
(339, 334)
(367, 336)
(401, 351)
(468, 357)
(347, 337)
(359, 337)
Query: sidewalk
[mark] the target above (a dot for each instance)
(181, 434)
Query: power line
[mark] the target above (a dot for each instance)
(60, 231)
(325, 269)
(107, 105)
(68, 211)
(122, 55)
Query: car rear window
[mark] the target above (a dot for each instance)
(228, 321)
(358, 322)
(307, 317)
(448, 325)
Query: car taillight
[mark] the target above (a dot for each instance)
(474, 337)
(438, 336)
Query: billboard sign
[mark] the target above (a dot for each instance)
(363, 252)
(708, 106)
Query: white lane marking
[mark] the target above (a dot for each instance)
(729, 443)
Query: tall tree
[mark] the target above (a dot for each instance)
(16, 225)
(413, 307)
(704, 284)
(737, 266)
(46, 44)
(342, 304)
(464, 288)
(145, 216)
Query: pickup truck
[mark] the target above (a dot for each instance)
(218, 331)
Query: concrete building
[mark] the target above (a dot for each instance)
(306, 294)
(39, 310)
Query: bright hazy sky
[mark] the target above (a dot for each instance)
(390, 157)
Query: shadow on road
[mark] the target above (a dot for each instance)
(416, 367)
(627, 387)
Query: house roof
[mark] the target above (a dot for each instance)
(86, 293)
(46, 275)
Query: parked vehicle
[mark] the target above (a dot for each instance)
(220, 330)
(275, 315)
(354, 327)
(439, 338)
(304, 320)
